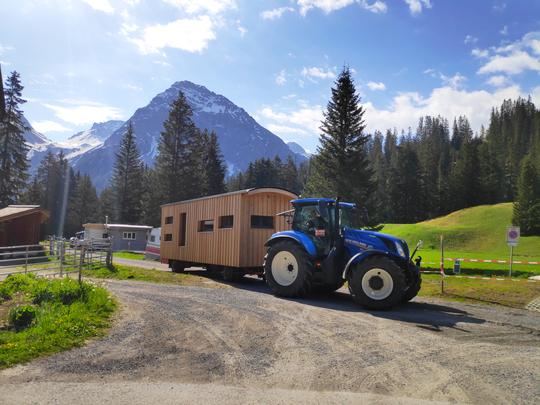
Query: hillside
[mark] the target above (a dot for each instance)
(477, 232)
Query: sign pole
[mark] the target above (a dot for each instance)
(511, 258)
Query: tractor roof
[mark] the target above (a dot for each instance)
(313, 201)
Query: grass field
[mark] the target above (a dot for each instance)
(41, 316)
(129, 255)
(507, 292)
(119, 272)
(477, 232)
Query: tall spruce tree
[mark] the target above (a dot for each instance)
(126, 182)
(13, 148)
(83, 204)
(179, 163)
(107, 209)
(151, 198)
(527, 204)
(214, 167)
(341, 167)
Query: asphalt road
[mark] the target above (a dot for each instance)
(174, 344)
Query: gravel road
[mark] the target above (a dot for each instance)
(175, 344)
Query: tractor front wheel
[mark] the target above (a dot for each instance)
(377, 283)
(288, 270)
(414, 287)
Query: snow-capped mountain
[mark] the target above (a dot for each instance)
(96, 135)
(241, 138)
(296, 148)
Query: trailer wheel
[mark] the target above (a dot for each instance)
(288, 270)
(230, 274)
(177, 267)
(414, 288)
(377, 283)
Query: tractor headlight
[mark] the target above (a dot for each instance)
(400, 250)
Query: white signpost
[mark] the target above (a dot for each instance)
(512, 238)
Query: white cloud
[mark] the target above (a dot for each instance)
(80, 112)
(318, 73)
(190, 34)
(328, 6)
(455, 81)
(281, 78)
(162, 63)
(516, 57)
(480, 53)
(285, 130)
(504, 30)
(203, 6)
(49, 126)
(132, 87)
(100, 5)
(276, 13)
(416, 6)
(498, 81)
(5, 48)
(514, 63)
(376, 86)
(241, 29)
(469, 39)
(499, 7)
(305, 120)
(407, 108)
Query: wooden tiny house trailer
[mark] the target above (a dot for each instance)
(226, 230)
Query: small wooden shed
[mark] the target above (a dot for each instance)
(20, 224)
(226, 229)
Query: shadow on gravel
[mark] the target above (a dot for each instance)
(427, 316)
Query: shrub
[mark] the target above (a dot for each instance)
(21, 317)
(16, 283)
(65, 291)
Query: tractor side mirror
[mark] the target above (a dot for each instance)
(420, 244)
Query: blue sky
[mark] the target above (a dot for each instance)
(83, 61)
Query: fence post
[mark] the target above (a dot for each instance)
(81, 261)
(108, 260)
(51, 246)
(26, 261)
(62, 252)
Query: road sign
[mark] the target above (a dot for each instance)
(512, 235)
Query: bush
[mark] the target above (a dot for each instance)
(16, 283)
(21, 317)
(65, 291)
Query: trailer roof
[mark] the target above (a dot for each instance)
(255, 190)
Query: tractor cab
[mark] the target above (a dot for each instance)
(324, 249)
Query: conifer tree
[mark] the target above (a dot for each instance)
(179, 163)
(341, 167)
(289, 176)
(126, 182)
(214, 167)
(527, 204)
(83, 204)
(13, 148)
(151, 199)
(107, 209)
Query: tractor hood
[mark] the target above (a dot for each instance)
(358, 240)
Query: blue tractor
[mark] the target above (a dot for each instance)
(323, 250)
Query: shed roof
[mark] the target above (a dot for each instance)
(245, 191)
(116, 226)
(15, 211)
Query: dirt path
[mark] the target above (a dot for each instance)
(174, 343)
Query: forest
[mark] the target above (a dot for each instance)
(400, 177)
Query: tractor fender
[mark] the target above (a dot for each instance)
(360, 257)
(299, 237)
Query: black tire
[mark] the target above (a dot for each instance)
(230, 274)
(412, 290)
(388, 268)
(328, 288)
(303, 281)
(213, 271)
(178, 267)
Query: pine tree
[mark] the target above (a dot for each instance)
(527, 204)
(126, 182)
(179, 163)
(341, 166)
(84, 204)
(289, 176)
(107, 209)
(33, 195)
(214, 167)
(13, 148)
(151, 199)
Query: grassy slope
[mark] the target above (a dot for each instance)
(129, 255)
(477, 232)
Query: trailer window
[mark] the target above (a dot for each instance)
(262, 222)
(206, 225)
(226, 221)
(129, 235)
(168, 220)
(168, 237)
(152, 238)
(182, 238)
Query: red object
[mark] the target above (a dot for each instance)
(320, 232)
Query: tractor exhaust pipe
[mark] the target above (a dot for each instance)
(337, 230)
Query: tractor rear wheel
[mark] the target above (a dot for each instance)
(177, 266)
(377, 283)
(288, 270)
